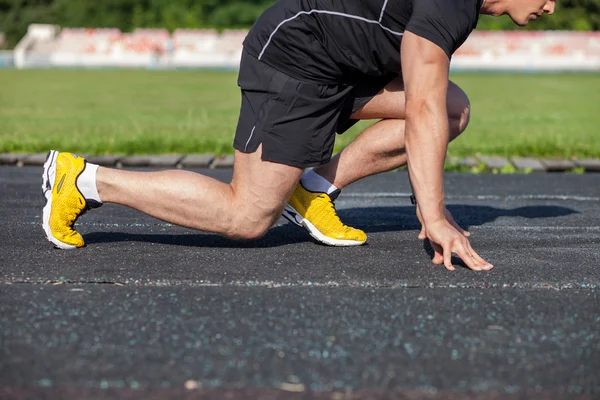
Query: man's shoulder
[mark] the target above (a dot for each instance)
(447, 23)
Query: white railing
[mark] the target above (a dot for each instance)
(529, 51)
(47, 46)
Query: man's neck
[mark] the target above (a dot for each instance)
(493, 7)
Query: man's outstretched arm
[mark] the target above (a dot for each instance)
(425, 70)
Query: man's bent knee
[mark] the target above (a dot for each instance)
(249, 229)
(462, 119)
(260, 190)
(459, 109)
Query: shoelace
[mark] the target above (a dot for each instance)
(74, 217)
(336, 216)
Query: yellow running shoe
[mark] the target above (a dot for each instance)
(64, 201)
(316, 213)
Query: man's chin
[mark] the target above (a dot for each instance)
(520, 22)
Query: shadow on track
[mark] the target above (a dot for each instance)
(385, 219)
(370, 219)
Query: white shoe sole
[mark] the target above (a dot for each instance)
(47, 186)
(294, 217)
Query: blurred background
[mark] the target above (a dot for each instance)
(158, 76)
(208, 33)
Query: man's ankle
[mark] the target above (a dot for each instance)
(86, 183)
(314, 182)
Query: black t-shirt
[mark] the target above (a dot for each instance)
(338, 41)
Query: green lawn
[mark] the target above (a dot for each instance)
(145, 112)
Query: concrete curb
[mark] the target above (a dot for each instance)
(478, 163)
(158, 161)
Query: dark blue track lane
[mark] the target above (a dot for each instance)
(147, 305)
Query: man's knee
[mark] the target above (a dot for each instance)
(248, 227)
(459, 109)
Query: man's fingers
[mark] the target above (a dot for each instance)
(467, 258)
(486, 265)
(438, 256)
(472, 259)
(423, 233)
(445, 242)
(448, 258)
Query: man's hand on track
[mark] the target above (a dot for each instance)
(447, 238)
(423, 233)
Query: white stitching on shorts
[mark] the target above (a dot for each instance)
(251, 133)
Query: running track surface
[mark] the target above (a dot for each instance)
(151, 310)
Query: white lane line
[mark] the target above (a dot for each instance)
(352, 283)
(478, 197)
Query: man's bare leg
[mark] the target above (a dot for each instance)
(244, 209)
(380, 147)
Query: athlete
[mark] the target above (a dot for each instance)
(310, 69)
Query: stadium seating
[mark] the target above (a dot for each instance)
(204, 41)
(157, 48)
(530, 50)
(86, 41)
(207, 48)
(144, 41)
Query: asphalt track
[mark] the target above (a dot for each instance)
(151, 310)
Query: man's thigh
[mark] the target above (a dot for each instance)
(389, 101)
(364, 94)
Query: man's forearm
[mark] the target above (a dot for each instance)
(426, 144)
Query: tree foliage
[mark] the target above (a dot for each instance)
(16, 15)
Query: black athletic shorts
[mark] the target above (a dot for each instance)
(295, 121)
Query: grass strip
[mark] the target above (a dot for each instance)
(126, 112)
